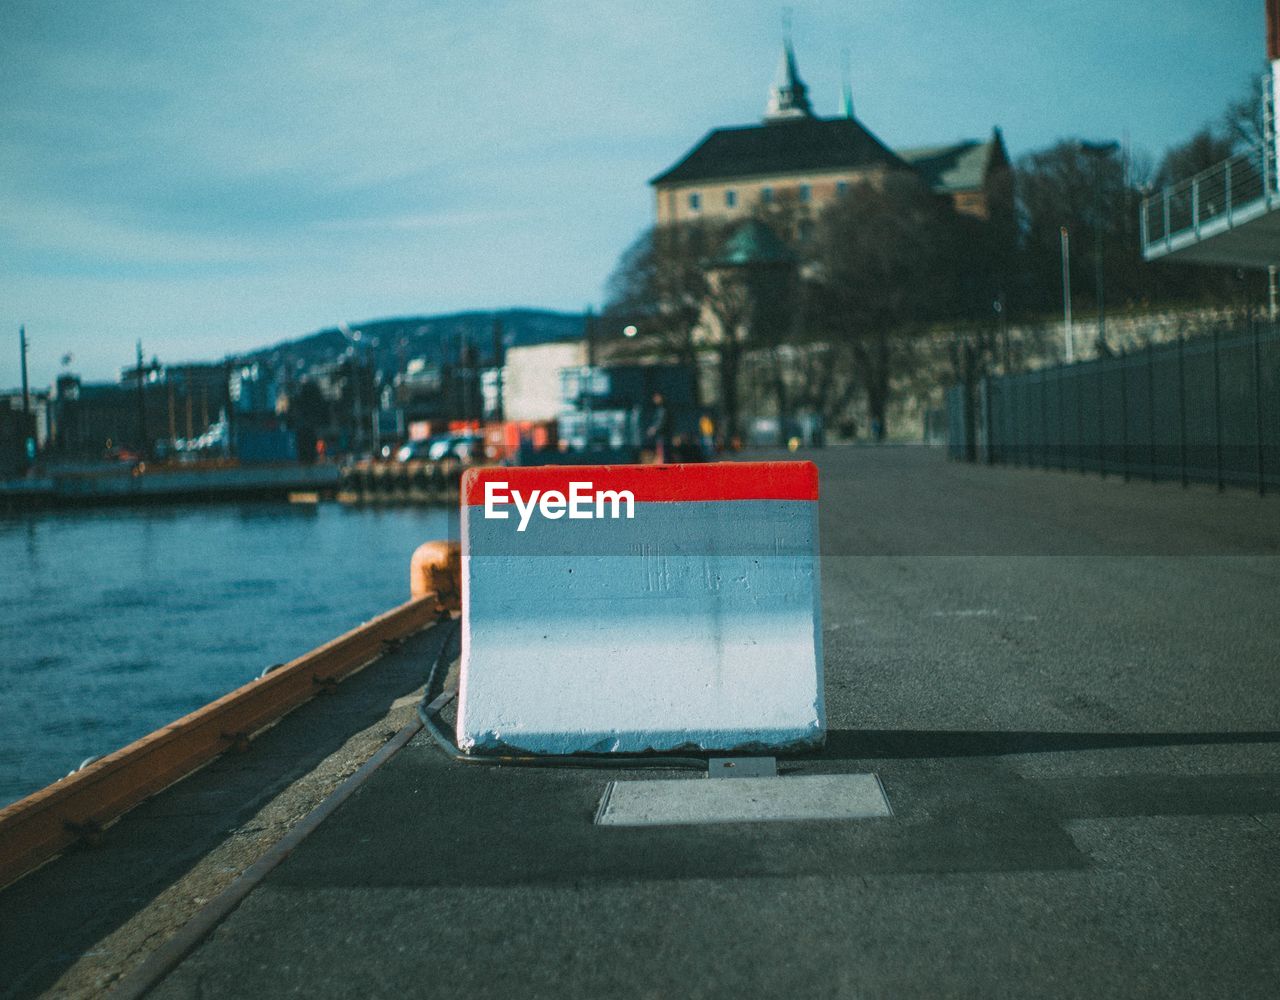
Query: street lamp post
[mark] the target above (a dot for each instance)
(1068, 334)
(22, 353)
(1099, 151)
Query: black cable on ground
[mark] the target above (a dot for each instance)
(427, 712)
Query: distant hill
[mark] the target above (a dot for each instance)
(438, 339)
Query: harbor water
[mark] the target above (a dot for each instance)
(114, 622)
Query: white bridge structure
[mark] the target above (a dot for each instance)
(1230, 213)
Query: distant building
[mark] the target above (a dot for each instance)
(169, 404)
(796, 155)
(531, 384)
(38, 407)
(607, 408)
(22, 434)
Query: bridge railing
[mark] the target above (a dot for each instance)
(1211, 197)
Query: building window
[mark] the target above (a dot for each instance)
(730, 198)
(766, 196)
(805, 192)
(841, 187)
(806, 230)
(695, 201)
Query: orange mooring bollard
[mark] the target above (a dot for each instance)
(436, 568)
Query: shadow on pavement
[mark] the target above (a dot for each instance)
(912, 744)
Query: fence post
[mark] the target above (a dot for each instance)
(1257, 406)
(1062, 424)
(1024, 396)
(1168, 240)
(1015, 410)
(1230, 210)
(988, 420)
(1182, 406)
(1102, 418)
(1151, 403)
(1079, 417)
(1044, 420)
(969, 417)
(1195, 205)
(1217, 409)
(1124, 414)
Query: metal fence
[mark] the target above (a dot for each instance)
(1205, 410)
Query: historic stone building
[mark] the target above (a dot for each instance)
(796, 155)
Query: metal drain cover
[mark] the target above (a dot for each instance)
(747, 800)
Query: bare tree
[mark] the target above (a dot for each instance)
(1207, 148)
(883, 271)
(660, 286)
(1242, 121)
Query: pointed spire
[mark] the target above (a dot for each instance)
(789, 97)
(846, 88)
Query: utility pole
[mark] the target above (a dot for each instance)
(499, 359)
(28, 431)
(466, 363)
(173, 415)
(1066, 295)
(589, 334)
(998, 308)
(26, 392)
(143, 449)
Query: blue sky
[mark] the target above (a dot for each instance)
(216, 176)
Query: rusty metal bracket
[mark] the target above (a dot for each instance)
(87, 831)
(239, 741)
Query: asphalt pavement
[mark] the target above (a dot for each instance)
(1070, 689)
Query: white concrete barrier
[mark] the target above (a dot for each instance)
(633, 608)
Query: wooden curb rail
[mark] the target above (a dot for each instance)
(80, 806)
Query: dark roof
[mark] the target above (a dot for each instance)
(753, 243)
(782, 147)
(961, 166)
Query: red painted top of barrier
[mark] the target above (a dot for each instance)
(658, 483)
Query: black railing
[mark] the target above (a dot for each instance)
(1203, 410)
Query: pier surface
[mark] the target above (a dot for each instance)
(1068, 688)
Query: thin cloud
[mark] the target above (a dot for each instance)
(437, 220)
(308, 162)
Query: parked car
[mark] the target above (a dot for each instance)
(461, 447)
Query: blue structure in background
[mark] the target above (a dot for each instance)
(607, 410)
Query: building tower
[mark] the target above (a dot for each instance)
(810, 160)
(789, 98)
